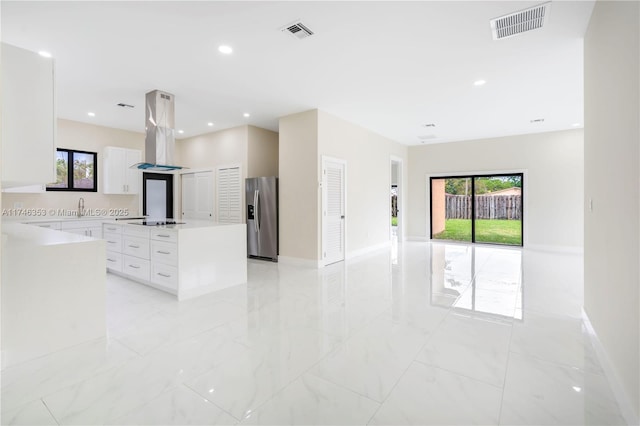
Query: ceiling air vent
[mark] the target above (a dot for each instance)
(298, 30)
(519, 22)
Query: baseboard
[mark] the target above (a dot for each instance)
(624, 402)
(416, 238)
(366, 250)
(555, 249)
(298, 261)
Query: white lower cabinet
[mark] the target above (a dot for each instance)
(135, 246)
(136, 267)
(88, 228)
(114, 261)
(165, 276)
(144, 255)
(113, 241)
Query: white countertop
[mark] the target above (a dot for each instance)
(21, 234)
(188, 224)
(39, 219)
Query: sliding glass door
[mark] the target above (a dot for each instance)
(477, 208)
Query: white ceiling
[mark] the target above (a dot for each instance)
(388, 66)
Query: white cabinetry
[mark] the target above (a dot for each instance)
(146, 255)
(29, 189)
(50, 225)
(118, 177)
(88, 228)
(112, 234)
(28, 118)
(164, 259)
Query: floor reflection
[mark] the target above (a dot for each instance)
(480, 279)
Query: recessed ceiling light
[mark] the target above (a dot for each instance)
(91, 114)
(44, 54)
(479, 83)
(181, 131)
(246, 115)
(210, 124)
(227, 50)
(576, 124)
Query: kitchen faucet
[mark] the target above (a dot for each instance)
(80, 207)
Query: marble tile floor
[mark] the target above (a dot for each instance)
(422, 333)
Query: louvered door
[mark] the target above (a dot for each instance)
(228, 195)
(333, 210)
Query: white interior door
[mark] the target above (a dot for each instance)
(197, 195)
(333, 210)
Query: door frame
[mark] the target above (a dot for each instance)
(400, 187)
(323, 197)
(525, 199)
(169, 178)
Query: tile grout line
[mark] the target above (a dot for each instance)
(506, 371)
(49, 410)
(211, 402)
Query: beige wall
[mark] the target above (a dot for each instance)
(298, 186)
(553, 192)
(221, 148)
(254, 149)
(262, 152)
(368, 157)
(612, 230)
(86, 137)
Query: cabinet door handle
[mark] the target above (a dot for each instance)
(164, 235)
(111, 242)
(132, 246)
(111, 229)
(134, 266)
(164, 275)
(163, 252)
(111, 260)
(45, 226)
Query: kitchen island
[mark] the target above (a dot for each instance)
(186, 259)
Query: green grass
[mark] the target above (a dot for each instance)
(487, 231)
(394, 221)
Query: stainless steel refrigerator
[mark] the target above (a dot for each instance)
(262, 217)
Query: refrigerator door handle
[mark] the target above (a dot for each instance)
(255, 209)
(258, 209)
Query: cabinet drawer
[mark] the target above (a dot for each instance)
(135, 267)
(135, 231)
(111, 228)
(50, 225)
(164, 235)
(134, 246)
(164, 275)
(113, 241)
(164, 252)
(114, 261)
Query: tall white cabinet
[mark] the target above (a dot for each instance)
(117, 176)
(28, 117)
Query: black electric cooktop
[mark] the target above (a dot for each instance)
(159, 222)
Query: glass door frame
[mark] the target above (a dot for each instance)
(473, 204)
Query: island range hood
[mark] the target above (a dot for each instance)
(160, 141)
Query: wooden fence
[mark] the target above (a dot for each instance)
(487, 206)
